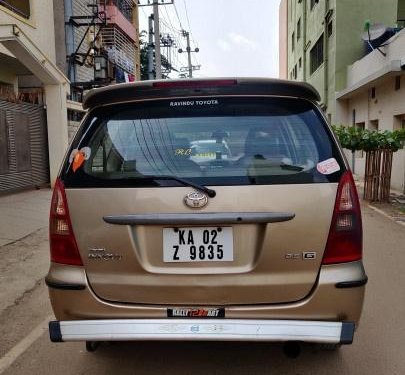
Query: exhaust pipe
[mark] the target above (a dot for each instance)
(292, 349)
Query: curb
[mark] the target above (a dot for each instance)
(381, 212)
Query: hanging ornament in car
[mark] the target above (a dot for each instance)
(78, 157)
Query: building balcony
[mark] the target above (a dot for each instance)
(120, 13)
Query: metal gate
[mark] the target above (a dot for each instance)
(23, 146)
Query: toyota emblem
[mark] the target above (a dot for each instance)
(196, 200)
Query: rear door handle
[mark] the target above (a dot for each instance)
(201, 218)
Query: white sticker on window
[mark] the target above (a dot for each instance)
(328, 166)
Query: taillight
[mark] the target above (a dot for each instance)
(345, 241)
(61, 238)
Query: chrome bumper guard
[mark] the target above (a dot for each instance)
(202, 330)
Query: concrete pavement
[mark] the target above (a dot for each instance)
(378, 346)
(22, 214)
(23, 243)
(377, 349)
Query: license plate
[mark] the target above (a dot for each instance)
(197, 245)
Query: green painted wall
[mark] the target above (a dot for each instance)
(350, 26)
(401, 11)
(343, 47)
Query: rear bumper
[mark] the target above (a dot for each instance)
(202, 330)
(337, 297)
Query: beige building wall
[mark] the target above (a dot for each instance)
(383, 77)
(388, 112)
(341, 22)
(39, 26)
(31, 44)
(135, 21)
(283, 33)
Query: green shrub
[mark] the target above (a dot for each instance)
(356, 139)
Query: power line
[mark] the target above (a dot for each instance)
(177, 36)
(188, 22)
(178, 58)
(143, 11)
(196, 62)
(178, 17)
(170, 21)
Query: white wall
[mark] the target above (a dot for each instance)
(387, 104)
(39, 26)
(39, 53)
(374, 61)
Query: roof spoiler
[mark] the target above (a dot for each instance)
(128, 92)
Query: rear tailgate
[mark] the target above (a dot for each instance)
(284, 161)
(268, 265)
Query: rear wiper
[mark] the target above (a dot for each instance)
(210, 192)
(291, 167)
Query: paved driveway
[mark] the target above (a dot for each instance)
(378, 347)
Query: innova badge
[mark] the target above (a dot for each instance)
(196, 200)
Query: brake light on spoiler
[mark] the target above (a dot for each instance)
(195, 83)
(345, 241)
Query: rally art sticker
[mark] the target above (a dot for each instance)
(328, 166)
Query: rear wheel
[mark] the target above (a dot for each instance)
(91, 346)
(329, 347)
(292, 349)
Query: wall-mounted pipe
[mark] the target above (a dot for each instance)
(70, 40)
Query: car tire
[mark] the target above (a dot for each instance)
(91, 346)
(329, 347)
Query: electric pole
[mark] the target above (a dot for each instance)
(150, 49)
(158, 57)
(156, 33)
(191, 67)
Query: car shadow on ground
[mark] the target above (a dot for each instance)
(208, 357)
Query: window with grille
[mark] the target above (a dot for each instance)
(313, 2)
(299, 29)
(316, 55)
(4, 163)
(126, 7)
(293, 41)
(120, 48)
(330, 29)
(20, 7)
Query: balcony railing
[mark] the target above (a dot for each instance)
(126, 7)
(120, 48)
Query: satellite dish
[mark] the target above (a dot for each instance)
(376, 31)
(376, 35)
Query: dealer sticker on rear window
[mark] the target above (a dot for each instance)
(194, 103)
(328, 166)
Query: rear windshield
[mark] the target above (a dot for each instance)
(221, 141)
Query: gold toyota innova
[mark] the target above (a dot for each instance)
(254, 235)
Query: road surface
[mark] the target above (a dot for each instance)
(378, 348)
